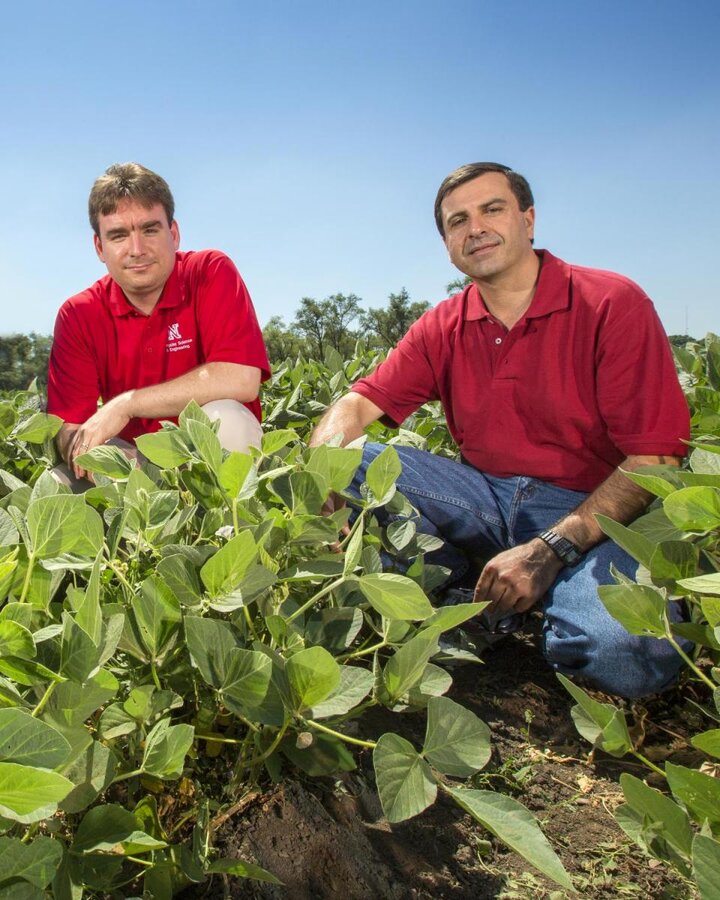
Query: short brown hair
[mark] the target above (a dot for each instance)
(518, 185)
(128, 181)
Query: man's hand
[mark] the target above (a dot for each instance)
(106, 423)
(514, 580)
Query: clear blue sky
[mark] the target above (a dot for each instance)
(307, 140)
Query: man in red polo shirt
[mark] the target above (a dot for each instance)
(553, 378)
(161, 329)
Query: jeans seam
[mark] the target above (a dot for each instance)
(491, 520)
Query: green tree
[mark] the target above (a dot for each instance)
(458, 285)
(281, 342)
(326, 323)
(387, 326)
(23, 357)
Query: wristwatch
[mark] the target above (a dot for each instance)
(565, 550)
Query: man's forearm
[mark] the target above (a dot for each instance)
(617, 497)
(210, 381)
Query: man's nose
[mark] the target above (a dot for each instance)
(137, 244)
(477, 224)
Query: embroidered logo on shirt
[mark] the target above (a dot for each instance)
(175, 340)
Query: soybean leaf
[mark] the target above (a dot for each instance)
(640, 609)
(324, 756)
(706, 866)
(54, 524)
(272, 441)
(247, 679)
(637, 545)
(700, 793)
(406, 667)
(79, 656)
(694, 508)
(401, 532)
(27, 671)
(16, 640)
(72, 703)
(8, 532)
(312, 675)
(25, 790)
(672, 561)
(395, 597)
(448, 617)
(89, 615)
(157, 613)
(180, 575)
(435, 682)
(405, 782)
(702, 584)
(106, 460)
(509, 821)
(381, 475)
(166, 449)
(104, 828)
(708, 742)
(241, 869)
(210, 642)
(334, 628)
(91, 773)
(165, 749)
(668, 819)
(342, 465)
(353, 551)
(38, 428)
(456, 741)
(27, 740)
(355, 685)
(35, 863)
(602, 724)
(238, 476)
(206, 444)
(226, 568)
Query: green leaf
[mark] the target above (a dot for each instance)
(38, 428)
(509, 821)
(405, 782)
(26, 789)
(272, 441)
(16, 640)
(354, 549)
(355, 685)
(668, 819)
(104, 828)
(165, 749)
(401, 532)
(395, 597)
(325, 756)
(34, 863)
(54, 524)
(224, 571)
(72, 703)
(246, 681)
(700, 793)
(640, 609)
(702, 584)
(706, 866)
(238, 476)
(312, 675)
(241, 869)
(335, 628)
(406, 667)
(456, 741)
(708, 742)
(653, 484)
(206, 444)
(106, 460)
(448, 617)
(27, 740)
(381, 475)
(165, 449)
(79, 656)
(694, 508)
(181, 576)
(632, 542)
(91, 773)
(157, 613)
(8, 532)
(602, 724)
(210, 642)
(672, 561)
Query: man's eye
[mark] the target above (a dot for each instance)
(455, 222)
(152, 230)
(494, 209)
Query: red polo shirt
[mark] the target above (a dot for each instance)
(584, 379)
(104, 346)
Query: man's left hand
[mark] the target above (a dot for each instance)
(514, 580)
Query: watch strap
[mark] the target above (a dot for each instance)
(565, 550)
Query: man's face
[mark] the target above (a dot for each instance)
(137, 244)
(486, 234)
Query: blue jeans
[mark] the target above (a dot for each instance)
(478, 515)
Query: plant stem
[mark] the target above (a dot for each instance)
(140, 862)
(650, 765)
(365, 652)
(355, 525)
(343, 737)
(257, 760)
(28, 576)
(219, 739)
(123, 775)
(156, 677)
(320, 594)
(679, 650)
(44, 699)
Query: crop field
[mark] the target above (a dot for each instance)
(208, 688)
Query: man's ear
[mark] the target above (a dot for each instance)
(529, 216)
(175, 232)
(98, 248)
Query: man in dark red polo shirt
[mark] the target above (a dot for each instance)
(161, 329)
(552, 377)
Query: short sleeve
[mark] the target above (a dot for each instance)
(227, 324)
(407, 378)
(73, 380)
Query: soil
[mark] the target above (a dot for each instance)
(328, 838)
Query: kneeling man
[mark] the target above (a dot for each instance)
(553, 378)
(162, 328)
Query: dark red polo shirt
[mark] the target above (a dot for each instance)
(584, 379)
(104, 346)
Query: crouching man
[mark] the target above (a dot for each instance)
(553, 379)
(162, 328)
